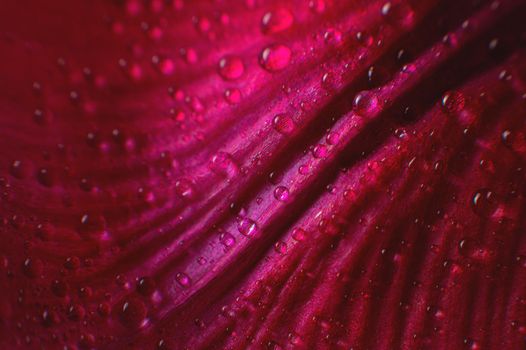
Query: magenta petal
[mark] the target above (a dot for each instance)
(322, 174)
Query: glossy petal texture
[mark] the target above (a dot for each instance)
(255, 174)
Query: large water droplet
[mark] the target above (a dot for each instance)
(275, 57)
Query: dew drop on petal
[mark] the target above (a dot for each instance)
(183, 279)
(332, 36)
(299, 234)
(184, 188)
(45, 177)
(275, 57)
(283, 124)
(280, 247)
(247, 227)
(281, 193)
(145, 286)
(222, 164)
(231, 67)
(132, 313)
(398, 13)
(32, 267)
(484, 202)
(365, 103)
(452, 102)
(233, 96)
(227, 239)
(19, 169)
(276, 21)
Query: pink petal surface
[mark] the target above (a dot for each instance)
(262, 174)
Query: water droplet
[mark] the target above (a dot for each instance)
(72, 263)
(320, 151)
(365, 103)
(33, 267)
(232, 96)
(132, 313)
(333, 138)
(45, 177)
(516, 141)
(231, 67)
(276, 21)
(280, 247)
(76, 312)
(19, 169)
(247, 227)
(399, 13)
(183, 279)
(332, 36)
(317, 6)
(283, 124)
(222, 164)
(281, 193)
(166, 66)
(484, 202)
(146, 286)
(275, 57)
(299, 234)
(184, 188)
(59, 288)
(452, 102)
(227, 239)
